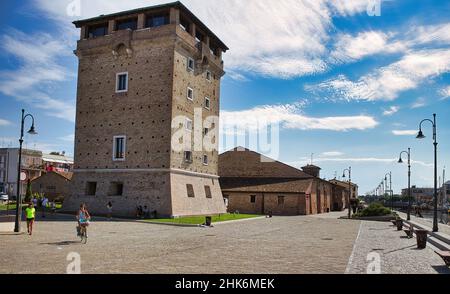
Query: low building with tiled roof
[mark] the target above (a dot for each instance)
(53, 185)
(253, 183)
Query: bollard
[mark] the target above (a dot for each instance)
(208, 221)
(422, 237)
(399, 224)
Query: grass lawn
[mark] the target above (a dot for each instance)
(13, 206)
(4, 206)
(198, 220)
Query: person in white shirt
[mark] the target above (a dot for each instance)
(44, 206)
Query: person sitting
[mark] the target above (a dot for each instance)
(139, 212)
(146, 212)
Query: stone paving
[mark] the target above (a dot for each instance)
(297, 245)
(398, 254)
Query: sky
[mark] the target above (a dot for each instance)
(346, 83)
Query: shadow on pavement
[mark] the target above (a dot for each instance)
(62, 243)
(441, 269)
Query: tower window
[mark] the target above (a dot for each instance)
(154, 21)
(122, 82)
(190, 93)
(190, 191)
(130, 23)
(91, 188)
(207, 103)
(119, 148)
(208, 75)
(190, 64)
(188, 156)
(189, 125)
(252, 199)
(97, 31)
(184, 24)
(116, 189)
(208, 192)
(205, 160)
(199, 37)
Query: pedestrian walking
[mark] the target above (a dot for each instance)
(30, 212)
(44, 206)
(109, 207)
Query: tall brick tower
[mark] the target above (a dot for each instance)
(145, 77)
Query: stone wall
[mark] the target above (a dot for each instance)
(139, 188)
(294, 204)
(52, 185)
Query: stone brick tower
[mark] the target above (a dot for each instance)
(146, 76)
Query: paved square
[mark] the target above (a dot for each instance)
(295, 245)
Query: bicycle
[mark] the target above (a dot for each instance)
(82, 233)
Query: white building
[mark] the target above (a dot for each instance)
(9, 159)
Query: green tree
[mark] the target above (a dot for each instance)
(29, 193)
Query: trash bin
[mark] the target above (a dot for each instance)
(208, 221)
(399, 224)
(422, 238)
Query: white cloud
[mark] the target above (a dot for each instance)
(332, 154)
(347, 8)
(391, 111)
(419, 103)
(4, 122)
(438, 34)
(388, 82)
(356, 160)
(350, 48)
(290, 116)
(404, 132)
(291, 42)
(69, 138)
(38, 54)
(445, 93)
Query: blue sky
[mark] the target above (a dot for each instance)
(348, 87)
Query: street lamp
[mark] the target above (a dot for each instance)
(349, 170)
(390, 188)
(32, 131)
(420, 135)
(409, 179)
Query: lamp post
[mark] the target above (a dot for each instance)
(349, 170)
(390, 188)
(420, 135)
(32, 131)
(409, 180)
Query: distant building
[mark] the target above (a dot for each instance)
(343, 184)
(57, 163)
(420, 194)
(9, 160)
(54, 185)
(426, 195)
(252, 183)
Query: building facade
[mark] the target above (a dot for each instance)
(252, 183)
(53, 185)
(148, 86)
(57, 162)
(9, 161)
(344, 185)
(421, 195)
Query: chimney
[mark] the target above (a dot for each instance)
(312, 170)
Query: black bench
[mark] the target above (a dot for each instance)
(445, 255)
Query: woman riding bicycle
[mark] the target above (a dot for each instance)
(83, 218)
